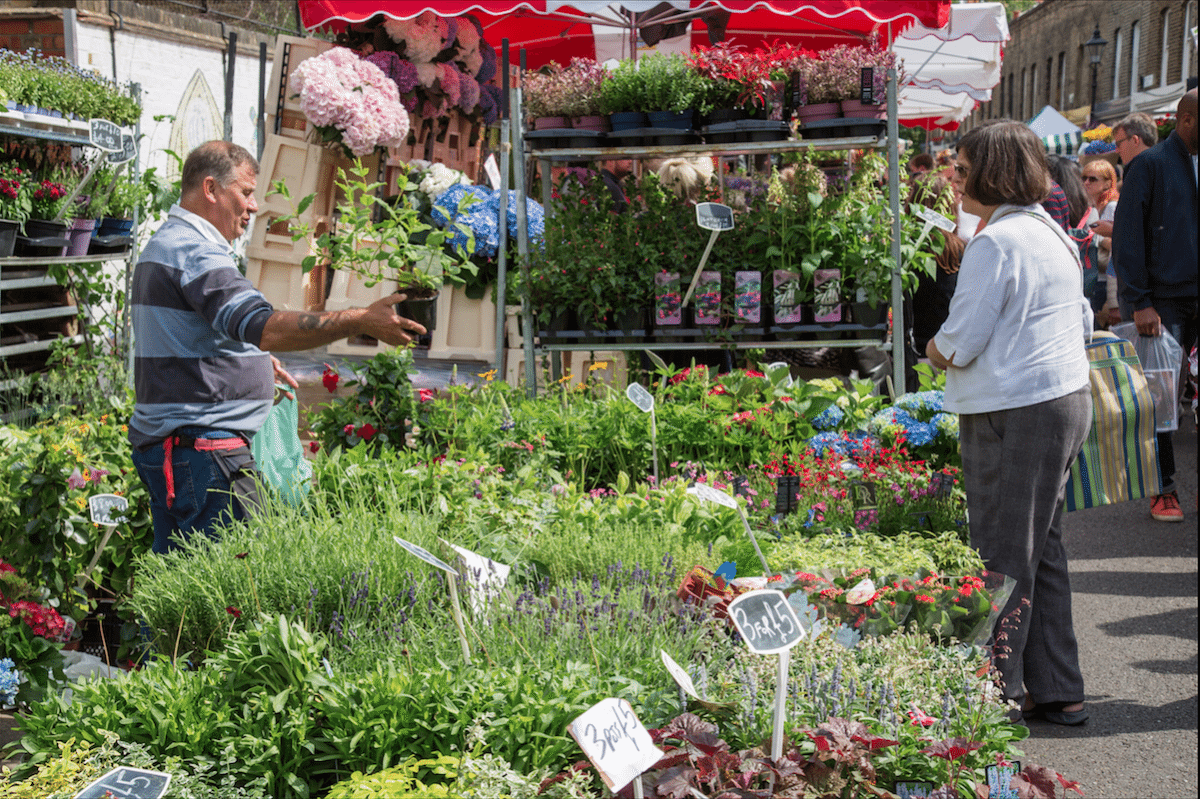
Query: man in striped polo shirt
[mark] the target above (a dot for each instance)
(203, 372)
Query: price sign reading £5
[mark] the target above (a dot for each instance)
(615, 741)
(766, 621)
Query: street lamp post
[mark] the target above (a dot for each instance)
(1095, 49)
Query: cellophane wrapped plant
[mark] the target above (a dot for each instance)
(350, 101)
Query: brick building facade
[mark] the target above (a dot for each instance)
(1151, 52)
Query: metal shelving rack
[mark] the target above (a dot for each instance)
(32, 273)
(894, 344)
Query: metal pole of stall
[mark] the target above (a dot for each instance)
(229, 70)
(898, 329)
(523, 242)
(502, 254)
(262, 98)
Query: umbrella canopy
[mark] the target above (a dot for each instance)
(950, 70)
(551, 30)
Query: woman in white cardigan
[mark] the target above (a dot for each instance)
(1017, 375)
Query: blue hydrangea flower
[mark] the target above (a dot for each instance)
(10, 681)
(921, 403)
(850, 444)
(946, 425)
(829, 418)
(920, 433)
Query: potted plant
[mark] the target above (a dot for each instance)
(670, 90)
(379, 240)
(547, 99)
(15, 205)
(623, 97)
(721, 69)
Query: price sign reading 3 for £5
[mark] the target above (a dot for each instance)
(766, 621)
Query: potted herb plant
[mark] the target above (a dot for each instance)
(670, 90)
(623, 97)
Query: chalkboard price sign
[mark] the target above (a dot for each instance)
(128, 783)
(105, 135)
(714, 216)
(613, 738)
(766, 621)
(126, 153)
(107, 508)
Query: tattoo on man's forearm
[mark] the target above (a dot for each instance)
(312, 321)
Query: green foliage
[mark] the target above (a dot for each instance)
(53, 83)
(901, 554)
(668, 84)
(397, 782)
(379, 411)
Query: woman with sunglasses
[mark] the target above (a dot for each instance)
(1017, 375)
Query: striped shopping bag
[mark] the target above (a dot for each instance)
(1119, 459)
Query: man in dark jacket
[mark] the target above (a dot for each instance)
(1154, 248)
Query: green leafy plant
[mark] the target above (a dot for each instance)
(379, 240)
(380, 411)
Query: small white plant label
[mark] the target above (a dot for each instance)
(640, 397)
(766, 621)
(681, 677)
(107, 508)
(709, 494)
(613, 738)
(492, 171)
(934, 218)
(861, 592)
(485, 577)
(425, 555)
(128, 783)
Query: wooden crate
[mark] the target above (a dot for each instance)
(293, 49)
(466, 328)
(271, 239)
(299, 165)
(283, 283)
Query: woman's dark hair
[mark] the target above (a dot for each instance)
(1008, 164)
(1066, 174)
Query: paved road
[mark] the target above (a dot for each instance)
(1135, 601)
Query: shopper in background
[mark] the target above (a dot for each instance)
(1066, 174)
(930, 303)
(920, 164)
(1154, 236)
(1017, 375)
(1133, 135)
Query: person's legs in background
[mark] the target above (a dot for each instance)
(1178, 317)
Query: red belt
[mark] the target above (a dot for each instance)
(200, 444)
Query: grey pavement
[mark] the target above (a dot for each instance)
(1134, 593)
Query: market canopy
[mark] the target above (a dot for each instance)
(1049, 122)
(553, 30)
(949, 70)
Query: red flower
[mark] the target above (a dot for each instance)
(232, 611)
(425, 394)
(314, 447)
(366, 432)
(330, 378)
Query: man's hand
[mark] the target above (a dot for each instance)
(382, 322)
(1148, 322)
(282, 376)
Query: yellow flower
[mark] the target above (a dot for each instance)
(83, 429)
(565, 378)
(489, 375)
(87, 474)
(104, 419)
(598, 365)
(81, 502)
(124, 428)
(55, 447)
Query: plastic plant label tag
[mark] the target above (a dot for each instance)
(668, 303)
(107, 509)
(492, 170)
(912, 789)
(999, 780)
(425, 555)
(681, 677)
(766, 621)
(714, 216)
(747, 297)
(128, 783)
(640, 397)
(861, 592)
(104, 134)
(485, 577)
(789, 306)
(709, 494)
(615, 741)
(708, 298)
(866, 87)
(934, 218)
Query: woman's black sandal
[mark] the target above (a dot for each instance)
(1053, 712)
